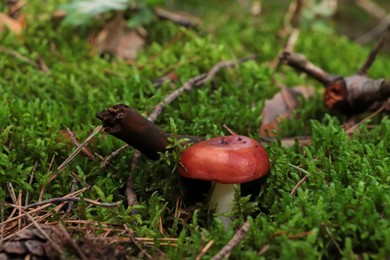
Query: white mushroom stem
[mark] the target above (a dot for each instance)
(222, 198)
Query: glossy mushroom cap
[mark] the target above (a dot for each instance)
(227, 159)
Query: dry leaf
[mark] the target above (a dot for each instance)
(119, 40)
(9, 23)
(280, 107)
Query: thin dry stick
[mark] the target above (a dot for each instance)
(174, 95)
(291, 18)
(236, 239)
(375, 31)
(54, 244)
(294, 190)
(11, 219)
(289, 47)
(130, 194)
(20, 216)
(71, 203)
(32, 173)
(12, 192)
(20, 209)
(263, 250)
(332, 238)
(229, 130)
(371, 57)
(135, 242)
(18, 56)
(371, 8)
(85, 150)
(72, 242)
(79, 148)
(43, 189)
(185, 20)
(205, 249)
(300, 169)
(62, 199)
(194, 82)
(108, 159)
(352, 128)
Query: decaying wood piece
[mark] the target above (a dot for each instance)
(353, 94)
(131, 127)
(356, 94)
(127, 124)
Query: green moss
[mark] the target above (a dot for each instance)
(346, 191)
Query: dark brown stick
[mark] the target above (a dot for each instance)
(131, 127)
(294, 190)
(62, 199)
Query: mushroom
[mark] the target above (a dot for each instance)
(225, 161)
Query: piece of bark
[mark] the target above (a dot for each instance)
(356, 94)
(131, 127)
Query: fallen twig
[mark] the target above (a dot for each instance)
(19, 56)
(332, 238)
(62, 199)
(52, 177)
(236, 239)
(32, 173)
(79, 148)
(72, 242)
(84, 149)
(375, 31)
(291, 18)
(294, 190)
(108, 159)
(205, 249)
(181, 18)
(301, 63)
(371, 8)
(351, 129)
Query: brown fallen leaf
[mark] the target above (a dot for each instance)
(119, 40)
(9, 23)
(281, 107)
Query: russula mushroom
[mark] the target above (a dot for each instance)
(226, 161)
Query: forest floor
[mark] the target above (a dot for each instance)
(70, 188)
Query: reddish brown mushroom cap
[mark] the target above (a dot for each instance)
(227, 159)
